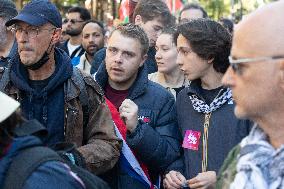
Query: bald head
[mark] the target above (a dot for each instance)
(260, 33)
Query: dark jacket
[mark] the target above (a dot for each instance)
(96, 141)
(51, 174)
(225, 131)
(150, 62)
(156, 140)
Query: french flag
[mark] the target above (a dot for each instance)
(128, 161)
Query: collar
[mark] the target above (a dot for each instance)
(195, 88)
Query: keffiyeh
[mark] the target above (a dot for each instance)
(201, 106)
(260, 165)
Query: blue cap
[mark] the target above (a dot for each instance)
(37, 13)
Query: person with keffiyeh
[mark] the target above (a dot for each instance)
(257, 82)
(205, 108)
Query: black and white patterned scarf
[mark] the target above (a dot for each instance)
(201, 106)
(260, 165)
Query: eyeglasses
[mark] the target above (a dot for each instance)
(73, 21)
(236, 63)
(31, 32)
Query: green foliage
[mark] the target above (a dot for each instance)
(234, 9)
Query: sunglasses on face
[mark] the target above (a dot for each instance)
(73, 21)
(236, 63)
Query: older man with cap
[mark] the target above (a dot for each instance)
(256, 77)
(51, 174)
(7, 38)
(68, 103)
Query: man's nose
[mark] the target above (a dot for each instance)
(228, 78)
(91, 40)
(118, 57)
(179, 60)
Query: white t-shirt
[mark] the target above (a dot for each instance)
(71, 48)
(84, 64)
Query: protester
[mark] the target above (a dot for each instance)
(169, 74)
(69, 104)
(92, 40)
(257, 82)
(192, 11)
(52, 174)
(146, 108)
(7, 38)
(205, 108)
(75, 18)
(152, 22)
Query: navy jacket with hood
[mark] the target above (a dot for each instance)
(150, 62)
(156, 140)
(225, 130)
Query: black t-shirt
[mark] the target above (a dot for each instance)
(209, 95)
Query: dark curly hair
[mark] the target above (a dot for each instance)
(209, 40)
(84, 13)
(136, 32)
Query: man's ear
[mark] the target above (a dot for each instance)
(56, 35)
(210, 61)
(144, 58)
(281, 67)
(138, 20)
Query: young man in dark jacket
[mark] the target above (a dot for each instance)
(205, 108)
(147, 109)
(152, 22)
(71, 106)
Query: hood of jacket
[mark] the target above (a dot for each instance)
(63, 71)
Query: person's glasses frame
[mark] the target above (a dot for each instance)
(235, 63)
(31, 32)
(72, 21)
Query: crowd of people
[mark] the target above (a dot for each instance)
(160, 102)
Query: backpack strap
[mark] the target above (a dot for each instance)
(5, 77)
(25, 163)
(78, 49)
(83, 96)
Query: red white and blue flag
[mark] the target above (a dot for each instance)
(128, 161)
